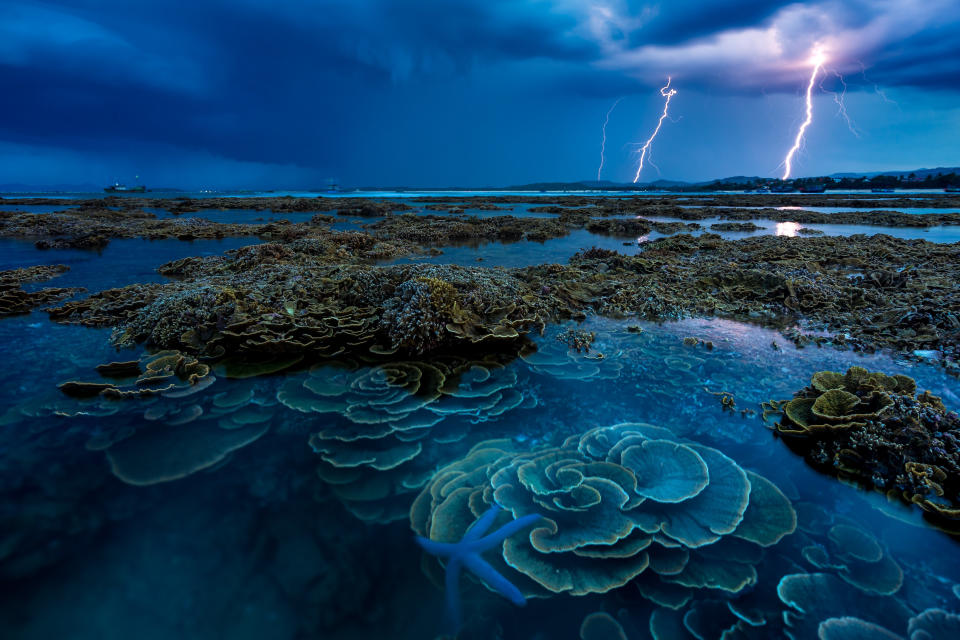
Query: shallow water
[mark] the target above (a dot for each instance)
(260, 540)
(124, 261)
(528, 253)
(34, 208)
(943, 234)
(257, 546)
(913, 210)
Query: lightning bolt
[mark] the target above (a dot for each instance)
(838, 98)
(667, 93)
(876, 87)
(603, 142)
(817, 60)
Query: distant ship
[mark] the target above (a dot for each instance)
(116, 187)
(783, 189)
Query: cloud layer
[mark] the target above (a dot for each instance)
(367, 89)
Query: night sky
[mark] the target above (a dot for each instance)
(283, 94)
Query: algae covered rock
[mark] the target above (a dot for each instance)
(876, 429)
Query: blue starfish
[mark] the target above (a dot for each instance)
(466, 553)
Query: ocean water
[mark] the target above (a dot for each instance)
(277, 506)
(942, 234)
(914, 210)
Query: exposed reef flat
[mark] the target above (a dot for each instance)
(14, 299)
(442, 231)
(862, 292)
(93, 228)
(91, 224)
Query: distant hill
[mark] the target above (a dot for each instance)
(19, 187)
(901, 178)
(919, 173)
(586, 185)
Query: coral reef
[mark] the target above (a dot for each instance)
(627, 504)
(165, 372)
(820, 604)
(876, 429)
(460, 229)
(388, 422)
(14, 299)
(94, 228)
(865, 293)
(857, 558)
(574, 355)
(282, 307)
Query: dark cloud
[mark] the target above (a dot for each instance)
(684, 20)
(349, 83)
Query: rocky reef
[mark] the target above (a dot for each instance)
(878, 430)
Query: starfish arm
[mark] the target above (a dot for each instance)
(482, 569)
(501, 534)
(442, 549)
(482, 525)
(453, 593)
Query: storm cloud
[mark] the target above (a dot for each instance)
(471, 92)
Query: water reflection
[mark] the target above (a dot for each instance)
(788, 229)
